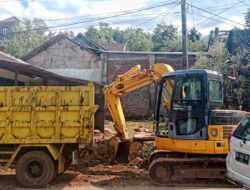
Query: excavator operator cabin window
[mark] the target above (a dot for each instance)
(215, 91)
(189, 89)
(164, 111)
(187, 97)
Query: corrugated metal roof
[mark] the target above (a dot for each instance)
(79, 40)
(114, 46)
(8, 57)
(10, 19)
(11, 63)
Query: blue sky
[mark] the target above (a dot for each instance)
(84, 10)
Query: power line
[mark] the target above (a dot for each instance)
(216, 15)
(162, 18)
(217, 8)
(161, 15)
(120, 13)
(217, 20)
(116, 15)
(106, 14)
(192, 10)
(106, 17)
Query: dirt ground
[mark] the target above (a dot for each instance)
(118, 176)
(111, 177)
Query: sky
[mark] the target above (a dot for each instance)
(77, 15)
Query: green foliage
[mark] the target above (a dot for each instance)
(138, 40)
(102, 34)
(27, 35)
(218, 59)
(194, 35)
(247, 18)
(197, 46)
(195, 43)
(214, 59)
(165, 37)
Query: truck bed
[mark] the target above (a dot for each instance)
(47, 114)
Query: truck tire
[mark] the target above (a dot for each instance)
(35, 169)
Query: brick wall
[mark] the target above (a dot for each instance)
(135, 104)
(140, 103)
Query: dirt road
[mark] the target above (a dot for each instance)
(122, 177)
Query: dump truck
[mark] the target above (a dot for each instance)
(41, 127)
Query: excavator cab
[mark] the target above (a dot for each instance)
(192, 127)
(190, 94)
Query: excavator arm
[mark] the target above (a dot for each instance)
(133, 79)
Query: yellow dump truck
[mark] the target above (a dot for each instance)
(41, 127)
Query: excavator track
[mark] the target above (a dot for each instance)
(168, 169)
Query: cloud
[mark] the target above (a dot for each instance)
(47, 9)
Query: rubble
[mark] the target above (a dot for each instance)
(134, 150)
(105, 146)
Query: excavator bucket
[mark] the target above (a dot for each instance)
(122, 152)
(119, 150)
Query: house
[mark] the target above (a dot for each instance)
(6, 28)
(77, 57)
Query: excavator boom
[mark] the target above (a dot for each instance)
(133, 79)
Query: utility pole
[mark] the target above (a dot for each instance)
(184, 34)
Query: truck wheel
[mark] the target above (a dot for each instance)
(35, 169)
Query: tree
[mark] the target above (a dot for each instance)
(214, 59)
(138, 40)
(164, 37)
(218, 59)
(195, 42)
(102, 34)
(27, 35)
(247, 18)
(194, 35)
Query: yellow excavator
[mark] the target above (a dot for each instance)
(192, 126)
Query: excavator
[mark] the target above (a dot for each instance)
(191, 123)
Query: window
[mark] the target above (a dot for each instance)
(215, 91)
(189, 89)
(243, 130)
(164, 106)
(5, 31)
(167, 90)
(186, 126)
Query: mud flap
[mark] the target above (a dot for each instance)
(61, 164)
(122, 152)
